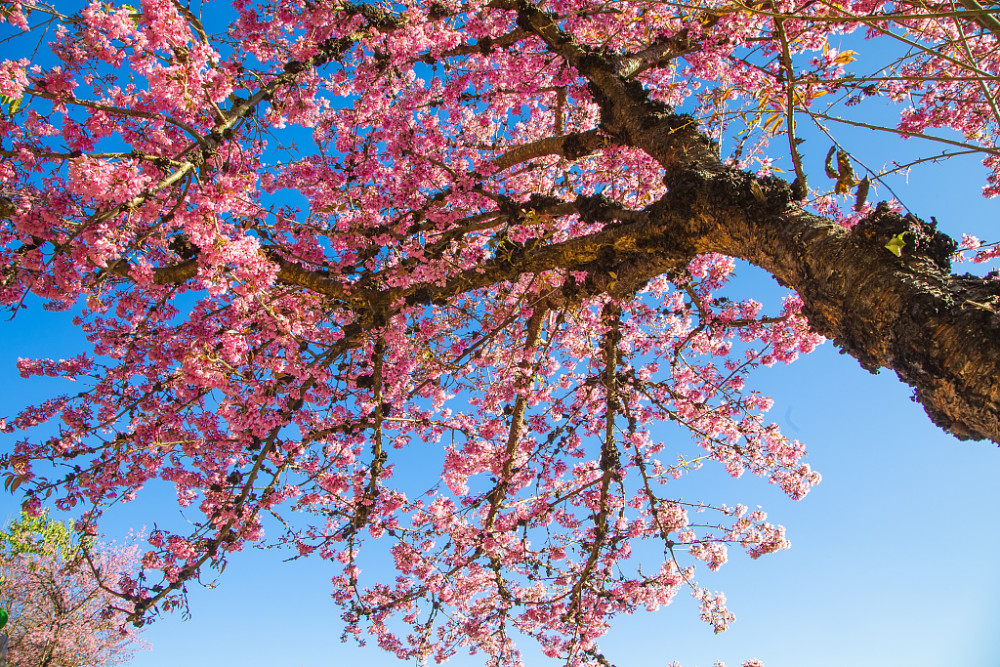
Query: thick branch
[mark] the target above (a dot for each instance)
(982, 16)
(570, 146)
(938, 332)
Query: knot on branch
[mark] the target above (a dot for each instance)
(334, 47)
(438, 11)
(381, 19)
(906, 236)
(534, 20)
(769, 193)
(632, 115)
(593, 208)
(591, 59)
(576, 146)
(183, 247)
(539, 202)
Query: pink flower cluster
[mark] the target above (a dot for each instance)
(363, 277)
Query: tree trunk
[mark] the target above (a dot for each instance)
(937, 331)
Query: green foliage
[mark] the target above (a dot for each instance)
(51, 585)
(11, 104)
(133, 14)
(38, 536)
(896, 244)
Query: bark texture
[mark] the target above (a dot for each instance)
(937, 331)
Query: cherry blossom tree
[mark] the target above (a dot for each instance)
(60, 613)
(308, 238)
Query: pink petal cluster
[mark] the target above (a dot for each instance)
(288, 241)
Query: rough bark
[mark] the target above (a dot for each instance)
(937, 331)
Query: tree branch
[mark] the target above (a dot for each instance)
(905, 313)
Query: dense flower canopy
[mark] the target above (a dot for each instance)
(307, 238)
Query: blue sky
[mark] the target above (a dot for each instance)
(893, 557)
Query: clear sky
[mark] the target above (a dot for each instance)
(893, 558)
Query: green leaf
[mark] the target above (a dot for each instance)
(13, 105)
(896, 244)
(133, 14)
(38, 536)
